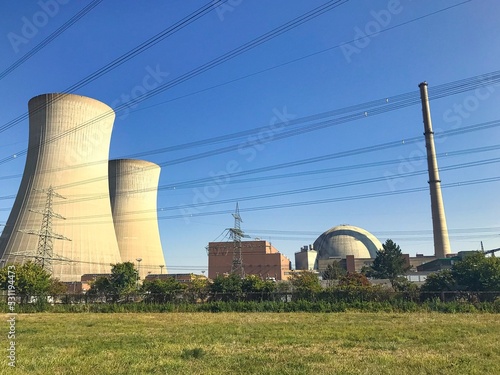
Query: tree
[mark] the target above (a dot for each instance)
(333, 271)
(162, 290)
(305, 284)
(227, 287)
(197, 289)
(57, 287)
(406, 288)
(476, 272)
(389, 262)
(101, 286)
(30, 280)
(473, 273)
(122, 281)
(256, 288)
(123, 278)
(353, 279)
(439, 282)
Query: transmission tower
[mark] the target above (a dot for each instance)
(44, 255)
(236, 234)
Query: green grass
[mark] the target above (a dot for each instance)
(256, 343)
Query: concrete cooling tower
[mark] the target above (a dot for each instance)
(69, 138)
(133, 188)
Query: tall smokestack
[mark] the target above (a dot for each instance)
(440, 229)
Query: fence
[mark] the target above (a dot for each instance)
(348, 295)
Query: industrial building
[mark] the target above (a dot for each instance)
(306, 259)
(353, 248)
(258, 257)
(133, 188)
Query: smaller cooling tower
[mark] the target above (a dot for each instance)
(133, 188)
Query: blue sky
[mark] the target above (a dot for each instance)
(414, 41)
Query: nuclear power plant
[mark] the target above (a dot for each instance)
(77, 212)
(62, 216)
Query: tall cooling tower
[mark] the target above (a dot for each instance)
(133, 188)
(67, 156)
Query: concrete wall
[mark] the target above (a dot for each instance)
(69, 137)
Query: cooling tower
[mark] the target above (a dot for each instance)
(69, 138)
(133, 188)
(439, 226)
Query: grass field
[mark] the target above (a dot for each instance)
(256, 343)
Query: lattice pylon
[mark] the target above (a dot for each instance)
(45, 249)
(236, 234)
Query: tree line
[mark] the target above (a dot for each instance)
(475, 274)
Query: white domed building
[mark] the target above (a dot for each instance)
(343, 240)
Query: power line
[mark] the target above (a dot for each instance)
(194, 212)
(338, 199)
(353, 152)
(231, 180)
(362, 110)
(200, 12)
(294, 61)
(304, 190)
(210, 153)
(379, 147)
(50, 38)
(329, 5)
(378, 233)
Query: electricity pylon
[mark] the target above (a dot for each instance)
(236, 234)
(44, 255)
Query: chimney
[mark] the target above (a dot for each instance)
(440, 229)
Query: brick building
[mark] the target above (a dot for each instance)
(259, 258)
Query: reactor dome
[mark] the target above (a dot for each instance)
(343, 240)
